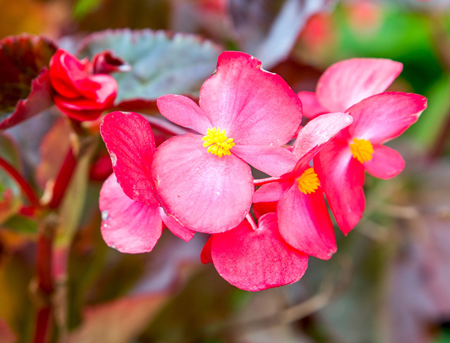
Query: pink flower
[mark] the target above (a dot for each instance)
(303, 218)
(78, 93)
(132, 218)
(245, 116)
(254, 259)
(353, 86)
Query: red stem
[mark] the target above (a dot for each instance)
(44, 263)
(45, 280)
(265, 181)
(43, 322)
(23, 184)
(63, 179)
(165, 127)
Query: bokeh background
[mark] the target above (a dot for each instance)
(389, 280)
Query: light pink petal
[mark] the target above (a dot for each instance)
(257, 260)
(271, 192)
(255, 107)
(184, 112)
(204, 192)
(348, 82)
(130, 143)
(385, 163)
(274, 161)
(176, 227)
(305, 224)
(127, 225)
(319, 131)
(385, 116)
(311, 106)
(205, 255)
(342, 179)
(316, 134)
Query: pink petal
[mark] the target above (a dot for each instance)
(274, 161)
(72, 110)
(128, 226)
(319, 131)
(65, 69)
(184, 112)
(271, 192)
(257, 260)
(305, 224)
(311, 106)
(106, 90)
(130, 143)
(348, 82)
(201, 190)
(316, 134)
(79, 104)
(255, 107)
(385, 116)
(63, 87)
(385, 163)
(176, 227)
(205, 255)
(342, 179)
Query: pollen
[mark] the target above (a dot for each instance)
(217, 142)
(308, 182)
(361, 149)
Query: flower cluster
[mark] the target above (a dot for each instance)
(202, 181)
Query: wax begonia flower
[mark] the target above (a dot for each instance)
(78, 92)
(341, 164)
(347, 87)
(303, 218)
(254, 260)
(245, 115)
(132, 217)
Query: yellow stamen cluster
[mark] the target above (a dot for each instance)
(218, 142)
(308, 182)
(361, 149)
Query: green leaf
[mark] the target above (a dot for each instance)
(162, 63)
(83, 7)
(21, 224)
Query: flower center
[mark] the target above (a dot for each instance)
(308, 182)
(218, 142)
(361, 149)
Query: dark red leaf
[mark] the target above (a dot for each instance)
(24, 83)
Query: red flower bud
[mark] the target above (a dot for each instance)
(78, 93)
(106, 63)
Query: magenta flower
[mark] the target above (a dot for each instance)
(353, 86)
(245, 116)
(132, 217)
(254, 259)
(303, 218)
